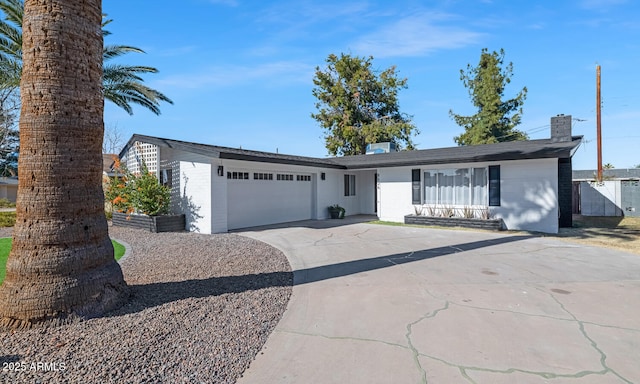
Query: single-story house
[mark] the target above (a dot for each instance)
(526, 183)
(108, 162)
(618, 194)
(9, 188)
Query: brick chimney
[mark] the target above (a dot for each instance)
(561, 128)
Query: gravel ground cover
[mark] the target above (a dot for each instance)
(201, 308)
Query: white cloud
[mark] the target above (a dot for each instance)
(282, 72)
(416, 35)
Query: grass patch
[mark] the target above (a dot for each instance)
(5, 248)
(118, 249)
(7, 219)
(626, 222)
(390, 223)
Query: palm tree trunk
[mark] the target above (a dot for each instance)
(61, 265)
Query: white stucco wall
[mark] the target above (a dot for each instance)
(528, 192)
(219, 199)
(394, 199)
(331, 192)
(191, 191)
(529, 195)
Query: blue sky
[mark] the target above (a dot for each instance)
(241, 72)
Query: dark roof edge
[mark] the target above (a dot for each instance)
(267, 157)
(233, 153)
(478, 159)
(164, 143)
(321, 163)
(567, 152)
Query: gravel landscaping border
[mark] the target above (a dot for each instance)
(201, 308)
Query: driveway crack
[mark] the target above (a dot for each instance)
(316, 243)
(413, 349)
(594, 345)
(464, 370)
(350, 338)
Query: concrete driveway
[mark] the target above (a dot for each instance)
(383, 304)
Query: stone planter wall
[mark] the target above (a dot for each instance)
(492, 224)
(163, 223)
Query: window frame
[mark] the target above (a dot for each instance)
(439, 179)
(349, 185)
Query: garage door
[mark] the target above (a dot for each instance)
(267, 198)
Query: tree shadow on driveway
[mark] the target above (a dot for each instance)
(155, 294)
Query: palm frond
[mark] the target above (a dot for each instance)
(124, 93)
(122, 84)
(10, 41)
(13, 10)
(111, 51)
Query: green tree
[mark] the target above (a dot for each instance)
(608, 166)
(9, 136)
(122, 84)
(357, 106)
(495, 120)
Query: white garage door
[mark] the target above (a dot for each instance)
(267, 198)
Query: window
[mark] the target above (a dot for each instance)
(349, 185)
(461, 186)
(165, 177)
(285, 177)
(238, 175)
(415, 186)
(494, 185)
(303, 177)
(479, 186)
(262, 176)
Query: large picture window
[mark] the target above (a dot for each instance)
(460, 186)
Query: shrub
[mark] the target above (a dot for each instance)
(148, 196)
(485, 213)
(447, 211)
(468, 212)
(432, 210)
(118, 191)
(7, 219)
(5, 203)
(141, 193)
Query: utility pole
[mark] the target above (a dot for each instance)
(598, 123)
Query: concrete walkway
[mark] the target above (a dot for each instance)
(382, 304)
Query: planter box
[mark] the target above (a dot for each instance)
(336, 213)
(492, 224)
(162, 223)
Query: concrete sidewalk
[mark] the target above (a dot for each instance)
(382, 304)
